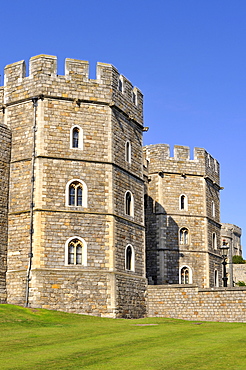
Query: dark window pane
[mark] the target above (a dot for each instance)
(128, 203)
(120, 85)
(128, 258)
(78, 255)
(70, 254)
(71, 195)
(79, 196)
(128, 152)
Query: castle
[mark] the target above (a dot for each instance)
(88, 217)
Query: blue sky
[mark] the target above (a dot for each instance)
(188, 57)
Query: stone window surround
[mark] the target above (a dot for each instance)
(131, 210)
(134, 96)
(128, 152)
(216, 278)
(80, 146)
(190, 273)
(214, 240)
(183, 241)
(213, 208)
(183, 202)
(121, 84)
(84, 251)
(84, 196)
(132, 261)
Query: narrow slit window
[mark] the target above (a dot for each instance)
(216, 278)
(120, 85)
(128, 152)
(214, 241)
(129, 258)
(129, 204)
(75, 137)
(183, 202)
(213, 208)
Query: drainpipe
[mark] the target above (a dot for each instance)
(30, 254)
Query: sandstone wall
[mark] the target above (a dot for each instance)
(169, 179)
(192, 303)
(107, 119)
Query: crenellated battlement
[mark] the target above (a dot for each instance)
(75, 84)
(159, 159)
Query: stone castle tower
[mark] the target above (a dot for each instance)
(75, 214)
(182, 217)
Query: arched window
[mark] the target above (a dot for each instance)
(128, 151)
(76, 251)
(185, 276)
(76, 137)
(213, 208)
(183, 236)
(129, 204)
(183, 202)
(216, 278)
(76, 193)
(209, 161)
(214, 241)
(120, 84)
(129, 258)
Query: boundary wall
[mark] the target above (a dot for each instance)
(191, 303)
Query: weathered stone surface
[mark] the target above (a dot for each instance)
(107, 118)
(38, 163)
(192, 303)
(197, 180)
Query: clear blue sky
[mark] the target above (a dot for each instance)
(187, 56)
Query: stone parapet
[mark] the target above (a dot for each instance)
(159, 160)
(43, 81)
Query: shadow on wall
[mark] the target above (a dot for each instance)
(162, 245)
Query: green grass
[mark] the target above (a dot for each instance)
(42, 339)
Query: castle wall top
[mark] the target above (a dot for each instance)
(158, 159)
(74, 84)
(229, 229)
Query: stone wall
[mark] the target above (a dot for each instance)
(239, 272)
(191, 303)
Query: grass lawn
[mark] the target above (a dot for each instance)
(41, 339)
